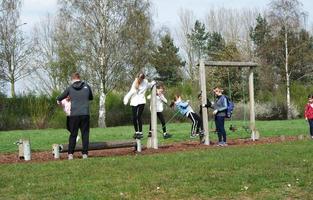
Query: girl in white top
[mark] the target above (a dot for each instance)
(160, 100)
(137, 98)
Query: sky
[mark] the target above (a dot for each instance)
(165, 12)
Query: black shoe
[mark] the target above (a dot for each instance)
(167, 135)
(138, 136)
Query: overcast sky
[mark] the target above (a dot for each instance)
(165, 12)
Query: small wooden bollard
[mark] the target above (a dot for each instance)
(282, 138)
(300, 137)
(24, 150)
(138, 141)
(56, 151)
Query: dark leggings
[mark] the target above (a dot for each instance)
(161, 118)
(76, 123)
(137, 120)
(196, 123)
(311, 126)
(219, 124)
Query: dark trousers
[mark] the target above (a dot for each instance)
(311, 126)
(137, 119)
(219, 124)
(161, 118)
(76, 123)
(68, 123)
(196, 123)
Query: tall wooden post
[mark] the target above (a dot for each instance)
(254, 135)
(153, 140)
(203, 102)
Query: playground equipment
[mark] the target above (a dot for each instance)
(251, 66)
(24, 150)
(62, 148)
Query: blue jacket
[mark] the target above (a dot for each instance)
(183, 107)
(220, 105)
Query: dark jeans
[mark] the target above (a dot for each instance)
(76, 123)
(196, 123)
(311, 126)
(68, 123)
(219, 124)
(137, 119)
(161, 118)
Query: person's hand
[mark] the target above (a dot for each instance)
(58, 102)
(214, 112)
(153, 82)
(125, 101)
(306, 119)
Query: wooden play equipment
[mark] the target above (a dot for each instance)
(251, 66)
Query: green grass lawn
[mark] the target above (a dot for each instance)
(273, 171)
(43, 139)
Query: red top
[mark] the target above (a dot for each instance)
(308, 113)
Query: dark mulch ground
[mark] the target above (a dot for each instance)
(45, 156)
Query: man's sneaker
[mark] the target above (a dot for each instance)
(220, 144)
(150, 134)
(167, 135)
(77, 138)
(85, 156)
(70, 156)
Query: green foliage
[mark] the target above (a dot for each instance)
(198, 38)
(167, 62)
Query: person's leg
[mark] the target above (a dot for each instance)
(68, 123)
(217, 126)
(222, 128)
(139, 116)
(135, 119)
(73, 126)
(161, 118)
(194, 124)
(85, 129)
(199, 122)
(311, 126)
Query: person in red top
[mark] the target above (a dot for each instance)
(308, 113)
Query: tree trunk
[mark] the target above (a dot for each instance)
(287, 77)
(101, 120)
(12, 82)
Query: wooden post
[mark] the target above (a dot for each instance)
(254, 134)
(203, 102)
(138, 145)
(152, 142)
(56, 151)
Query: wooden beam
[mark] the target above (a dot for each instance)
(204, 102)
(254, 135)
(101, 145)
(229, 64)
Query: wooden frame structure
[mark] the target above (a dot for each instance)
(202, 74)
(152, 141)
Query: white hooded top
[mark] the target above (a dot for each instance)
(137, 96)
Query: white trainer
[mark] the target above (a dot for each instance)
(70, 156)
(85, 156)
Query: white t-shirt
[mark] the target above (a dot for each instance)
(66, 105)
(137, 96)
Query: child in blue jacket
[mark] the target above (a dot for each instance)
(185, 109)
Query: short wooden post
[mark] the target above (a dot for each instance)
(138, 145)
(154, 138)
(56, 151)
(254, 135)
(203, 102)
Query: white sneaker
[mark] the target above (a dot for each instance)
(70, 156)
(77, 138)
(85, 156)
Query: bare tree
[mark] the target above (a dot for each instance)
(15, 49)
(187, 21)
(285, 15)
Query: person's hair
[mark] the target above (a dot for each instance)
(218, 88)
(141, 76)
(176, 96)
(160, 86)
(310, 96)
(75, 75)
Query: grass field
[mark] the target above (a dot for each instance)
(271, 171)
(43, 139)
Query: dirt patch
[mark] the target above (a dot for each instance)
(45, 156)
